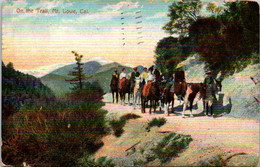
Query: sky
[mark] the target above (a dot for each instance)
(38, 33)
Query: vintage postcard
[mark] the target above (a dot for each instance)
(130, 83)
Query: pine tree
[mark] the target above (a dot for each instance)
(78, 74)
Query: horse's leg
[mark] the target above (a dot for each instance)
(129, 95)
(185, 104)
(116, 96)
(134, 99)
(142, 104)
(150, 111)
(191, 102)
(160, 105)
(155, 105)
(211, 107)
(207, 108)
(173, 104)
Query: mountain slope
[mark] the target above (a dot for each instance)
(88, 67)
(57, 83)
(19, 88)
(104, 74)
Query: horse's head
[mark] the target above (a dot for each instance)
(218, 85)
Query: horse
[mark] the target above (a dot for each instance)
(153, 97)
(114, 87)
(193, 90)
(168, 97)
(209, 95)
(137, 91)
(126, 86)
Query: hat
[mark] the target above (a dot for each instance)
(208, 72)
(135, 68)
(179, 65)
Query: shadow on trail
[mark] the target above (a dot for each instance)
(219, 109)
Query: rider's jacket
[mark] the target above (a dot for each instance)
(179, 76)
(122, 75)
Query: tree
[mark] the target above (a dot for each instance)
(213, 8)
(10, 65)
(78, 73)
(182, 14)
(170, 51)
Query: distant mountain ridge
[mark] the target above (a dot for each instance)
(40, 72)
(95, 72)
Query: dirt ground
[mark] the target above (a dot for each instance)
(212, 136)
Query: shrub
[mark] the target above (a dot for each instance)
(156, 122)
(117, 125)
(171, 146)
(59, 133)
(100, 162)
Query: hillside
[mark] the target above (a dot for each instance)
(238, 91)
(89, 68)
(95, 73)
(56, 83)
(19, 88)
(104, 74)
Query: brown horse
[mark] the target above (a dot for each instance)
(126, 88)
(153, 97)
(168, 97)
(114, 87)
(192, 91)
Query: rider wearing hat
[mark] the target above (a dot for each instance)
(179, 80)
(149, 80)
(144, 75)
(122, 78)
(116, 74)
(133, 77)
(209, 83)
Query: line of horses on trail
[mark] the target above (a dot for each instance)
(159, 94)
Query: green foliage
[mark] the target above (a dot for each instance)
(170, 51)
(156, 122)
(129, 116)
(117, 125)
(59, 133)
(227, 43)
(100, 162)
(171, 146)
(182, 14)
(78, 73)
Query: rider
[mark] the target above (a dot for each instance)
(133, 77)
(168, 79)
(149, 80)
(180, 83)
(144, 76)
(122, 78)
(209, 82)
(116, 74)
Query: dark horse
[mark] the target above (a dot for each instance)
(153, 96)
(209, 95)
(126, 88)
(192, 90)
(168, 97)
(114, 87)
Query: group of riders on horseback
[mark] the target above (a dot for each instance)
(155, 87)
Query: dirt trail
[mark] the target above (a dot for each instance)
(225, 134)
